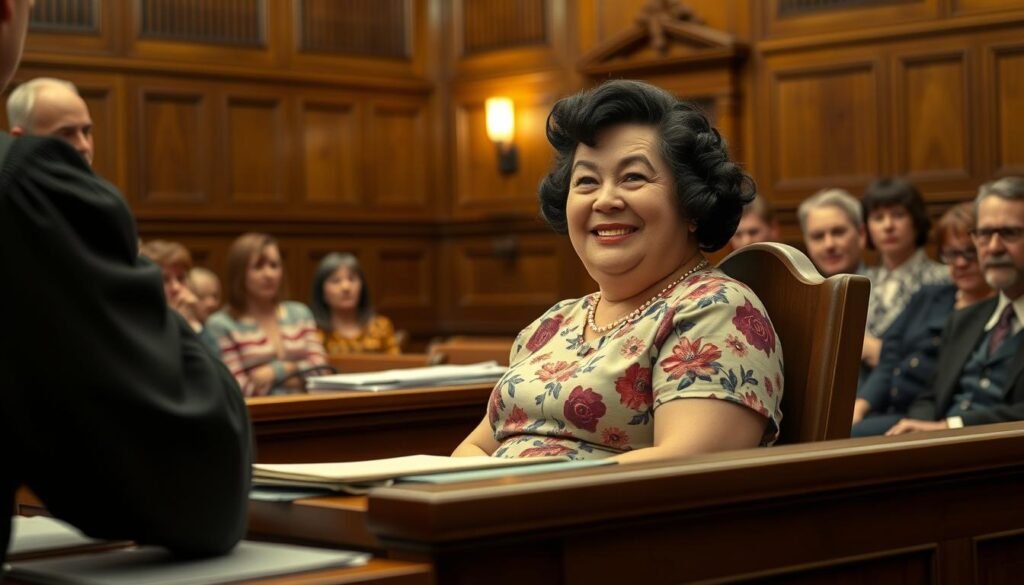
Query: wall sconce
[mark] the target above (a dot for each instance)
(501, 124)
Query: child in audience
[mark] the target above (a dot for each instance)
(344, 312)
(757, 224)
(269, 345)
(206, 287)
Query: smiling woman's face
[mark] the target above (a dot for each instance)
(622, 214)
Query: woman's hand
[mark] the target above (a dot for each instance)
(861, 408)
(479, 442)
(261, 380)
(871, 351)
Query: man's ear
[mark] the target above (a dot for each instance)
(16, 130)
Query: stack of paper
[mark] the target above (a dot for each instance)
(40, 535)
(488, 372)
(155, 566)
(358, 476)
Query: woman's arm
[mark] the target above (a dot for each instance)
(230, 353)
(871, 351)
(692, 426)
(479, 442)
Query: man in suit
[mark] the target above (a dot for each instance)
(51, 107)
(981, 360)
(111, 410)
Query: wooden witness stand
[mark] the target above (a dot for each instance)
(927, 508)
(355, 426)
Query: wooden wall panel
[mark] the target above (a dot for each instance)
(1000, 559)
(397, 135)
(492, 36)
(493, 281)
(818, 17)
(966, 7)
(173, 149)
(490, 25)
(405, 277)
(376, 28)
(66, 16)
(257, 150)
(225, 22)
(932, 117)
(331, 145)
(480, 187)
(1005, 79)
(824, 126)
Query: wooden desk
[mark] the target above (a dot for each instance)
(375, 572)
(354, 426)
(932, 508)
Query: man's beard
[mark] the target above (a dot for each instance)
(1001, 282)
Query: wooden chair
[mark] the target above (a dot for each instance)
(820, 322)
(375, 362)
(469, 350)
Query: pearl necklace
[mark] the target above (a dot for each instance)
(639, 310)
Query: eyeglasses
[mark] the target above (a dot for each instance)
(949, 255)
(1009, 235)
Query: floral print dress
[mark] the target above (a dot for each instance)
(708, 337)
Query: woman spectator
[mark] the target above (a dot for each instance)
(344, 312)
(910, 346)
(269, 345)
(670, 357)
(898, 227)
(175, 262)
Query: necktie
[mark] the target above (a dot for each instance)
(1001, 330)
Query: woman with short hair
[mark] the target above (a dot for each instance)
(897, 226)
(670, 357)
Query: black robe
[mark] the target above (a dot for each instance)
(111, 409)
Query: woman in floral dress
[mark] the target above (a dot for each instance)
(642, 185)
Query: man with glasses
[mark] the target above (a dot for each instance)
(909, 356)
(980, 377)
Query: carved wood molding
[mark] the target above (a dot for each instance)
(659, 28)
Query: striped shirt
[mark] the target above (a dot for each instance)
(245, 346)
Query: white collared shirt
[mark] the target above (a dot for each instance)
(1018, 309)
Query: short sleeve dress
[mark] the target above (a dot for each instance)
(708, 337)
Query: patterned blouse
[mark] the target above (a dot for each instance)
(244, 346)
(377, 337)
(709, 337)
(891, 289)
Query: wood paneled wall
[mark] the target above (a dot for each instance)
(359, 125)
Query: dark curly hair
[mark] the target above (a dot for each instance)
(896, 192)
(711, 190)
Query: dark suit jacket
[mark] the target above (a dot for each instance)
(111, 409)
(910, 348)
(965, 329)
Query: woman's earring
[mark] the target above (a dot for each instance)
(693, 227)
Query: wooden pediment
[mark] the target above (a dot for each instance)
(665, 33)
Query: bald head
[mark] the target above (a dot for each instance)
(51, 107)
